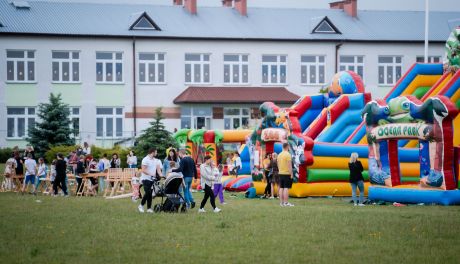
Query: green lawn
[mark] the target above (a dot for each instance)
(94, 230)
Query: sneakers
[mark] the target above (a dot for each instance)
(288, 204)
(133, 199)
(355, 204)
(150, 210)
(282, 205)
(140, 208)
(201, 210)
(193, 205)
(224, 203)
(272, 197)
(361, 204)
(216, 210)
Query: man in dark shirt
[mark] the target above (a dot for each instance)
(61, 167)
(188, 168)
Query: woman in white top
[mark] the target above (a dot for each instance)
(131, 159)
(207, 179)
(86, 149)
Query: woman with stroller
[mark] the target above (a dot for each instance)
(172, 156)
(207, 179)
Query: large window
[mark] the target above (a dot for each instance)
(352, 63)
(109, 67)
(312, 69)
(196, 117)
(20, 65)
(390, 68)
(236, 69)
(235, 118)
(431, 59)
(274, 69)
(19, 121)
(75, 120)
(66, 66)
(109, 122)
(197, 68)
(151, 67)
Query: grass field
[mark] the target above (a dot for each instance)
(43, 229)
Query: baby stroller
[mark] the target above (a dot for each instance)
(171, 199)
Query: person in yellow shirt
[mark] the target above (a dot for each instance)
(285, 175)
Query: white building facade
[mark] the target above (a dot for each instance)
(113, 84)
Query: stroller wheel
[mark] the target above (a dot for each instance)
(183, 209)
(157, 208)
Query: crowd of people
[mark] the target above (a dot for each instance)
(277, 171)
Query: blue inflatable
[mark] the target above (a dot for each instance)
(414, 196)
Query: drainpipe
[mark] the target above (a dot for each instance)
(337, 47)
(134, 88)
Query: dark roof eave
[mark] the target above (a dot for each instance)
(215, 38)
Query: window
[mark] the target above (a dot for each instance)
(151, 67)
(390, 68)
(326, 26)
(109, 67)
(196, 117)
(144, 22)
(312, 69)
(235, 118)
(75, 121)
(352, 63)
(274, 69)
(109, 122)
(66, 66)
(19, 121)
(20, 65)
(197, 68)
(431, 59)
(236, 69)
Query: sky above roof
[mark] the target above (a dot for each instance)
(414, 5)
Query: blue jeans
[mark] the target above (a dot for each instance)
(39, 179)
(132, 166)
(360, 185)
(187, 193)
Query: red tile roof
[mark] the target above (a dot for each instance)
(231, 95)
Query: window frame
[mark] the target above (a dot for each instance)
(430, 59)
(72, 116)
(317, 65)
(70, 60)
(354, 64)
(26, 117)
(156, 61)
(240, 63)
(114, 62)
(278, 65)
(385, 66)
(240, 116)
(15, 61)
(201, 63)
(193, 116)
(114, 117)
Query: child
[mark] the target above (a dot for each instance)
(93, 168)
(31, 171)
(10, 169)
(218, 188)
(136, 183)
(80, 170)
(52, 177)
(41, 174)
(207, 179)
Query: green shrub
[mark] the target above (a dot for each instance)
(50, 155)
(5, 154)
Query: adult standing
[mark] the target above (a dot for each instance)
(131, 160)
(115, 162)
(151, 168)
(172, 156)
(285, 175)
(267, 175)
(188, 168)
(207, 178)
(275, 179)
(86, 149)
(59, 181)
(356, 179)
(19, 163)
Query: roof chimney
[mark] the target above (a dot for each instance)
(349, 6)
(190, 5)
(227, 3)
(242, 7)
(177, 2)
